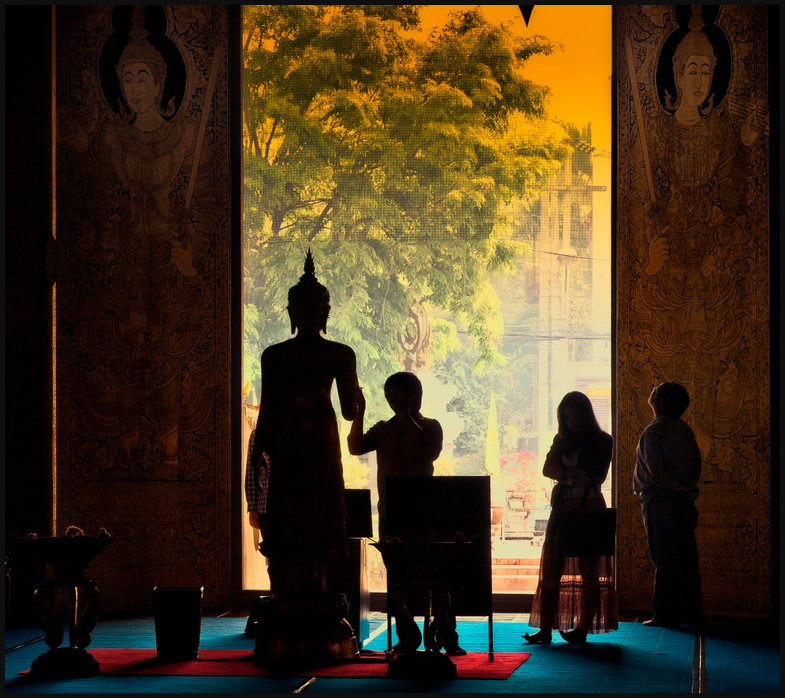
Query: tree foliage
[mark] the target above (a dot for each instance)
(391, 158)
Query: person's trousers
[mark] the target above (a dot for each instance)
(670, 519)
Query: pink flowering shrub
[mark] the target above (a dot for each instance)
(520, 476)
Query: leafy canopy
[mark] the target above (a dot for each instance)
(391, 157)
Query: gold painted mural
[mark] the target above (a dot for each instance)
(693, 279)
(142, 283)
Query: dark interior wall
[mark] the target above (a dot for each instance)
(776, 28)
(234, 16)
(28, 343)
(27, 294)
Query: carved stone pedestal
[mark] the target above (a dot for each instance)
(304, 630)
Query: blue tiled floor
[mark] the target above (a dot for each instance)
(742, 664)
(634, 659)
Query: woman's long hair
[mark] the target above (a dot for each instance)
(582, 405)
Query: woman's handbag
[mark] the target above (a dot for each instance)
(587, 532)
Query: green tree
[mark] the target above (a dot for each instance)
(390, 157)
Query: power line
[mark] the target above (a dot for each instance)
(542, 252)
(604, 336)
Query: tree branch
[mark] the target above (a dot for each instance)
(384, 301)
(276, 220)
(270, 139)
(319, 221)
(257, 150)
(311, 202)
(248, 40)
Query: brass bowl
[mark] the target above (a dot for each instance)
(61, 551)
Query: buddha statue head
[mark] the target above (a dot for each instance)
(309, 301)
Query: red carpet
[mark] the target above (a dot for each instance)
(474, 665)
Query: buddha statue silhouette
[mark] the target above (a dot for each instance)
(297, 435)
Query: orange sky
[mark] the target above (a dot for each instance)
(580, 75)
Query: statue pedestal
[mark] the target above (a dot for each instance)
(304, 630)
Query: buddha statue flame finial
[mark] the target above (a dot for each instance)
(309, 267)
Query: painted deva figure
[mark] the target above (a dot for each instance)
(688, 213)
(297, 434)
(145, 308)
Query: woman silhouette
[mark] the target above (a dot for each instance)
(574, 595)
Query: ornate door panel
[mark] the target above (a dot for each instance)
(693, 279)
(142, 292)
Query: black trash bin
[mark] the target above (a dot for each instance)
(178, 622)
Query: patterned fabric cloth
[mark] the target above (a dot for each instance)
(256, 498)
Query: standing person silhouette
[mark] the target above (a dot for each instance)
(407, 444)
(574, 592)
(298, 431)
(666, 481)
